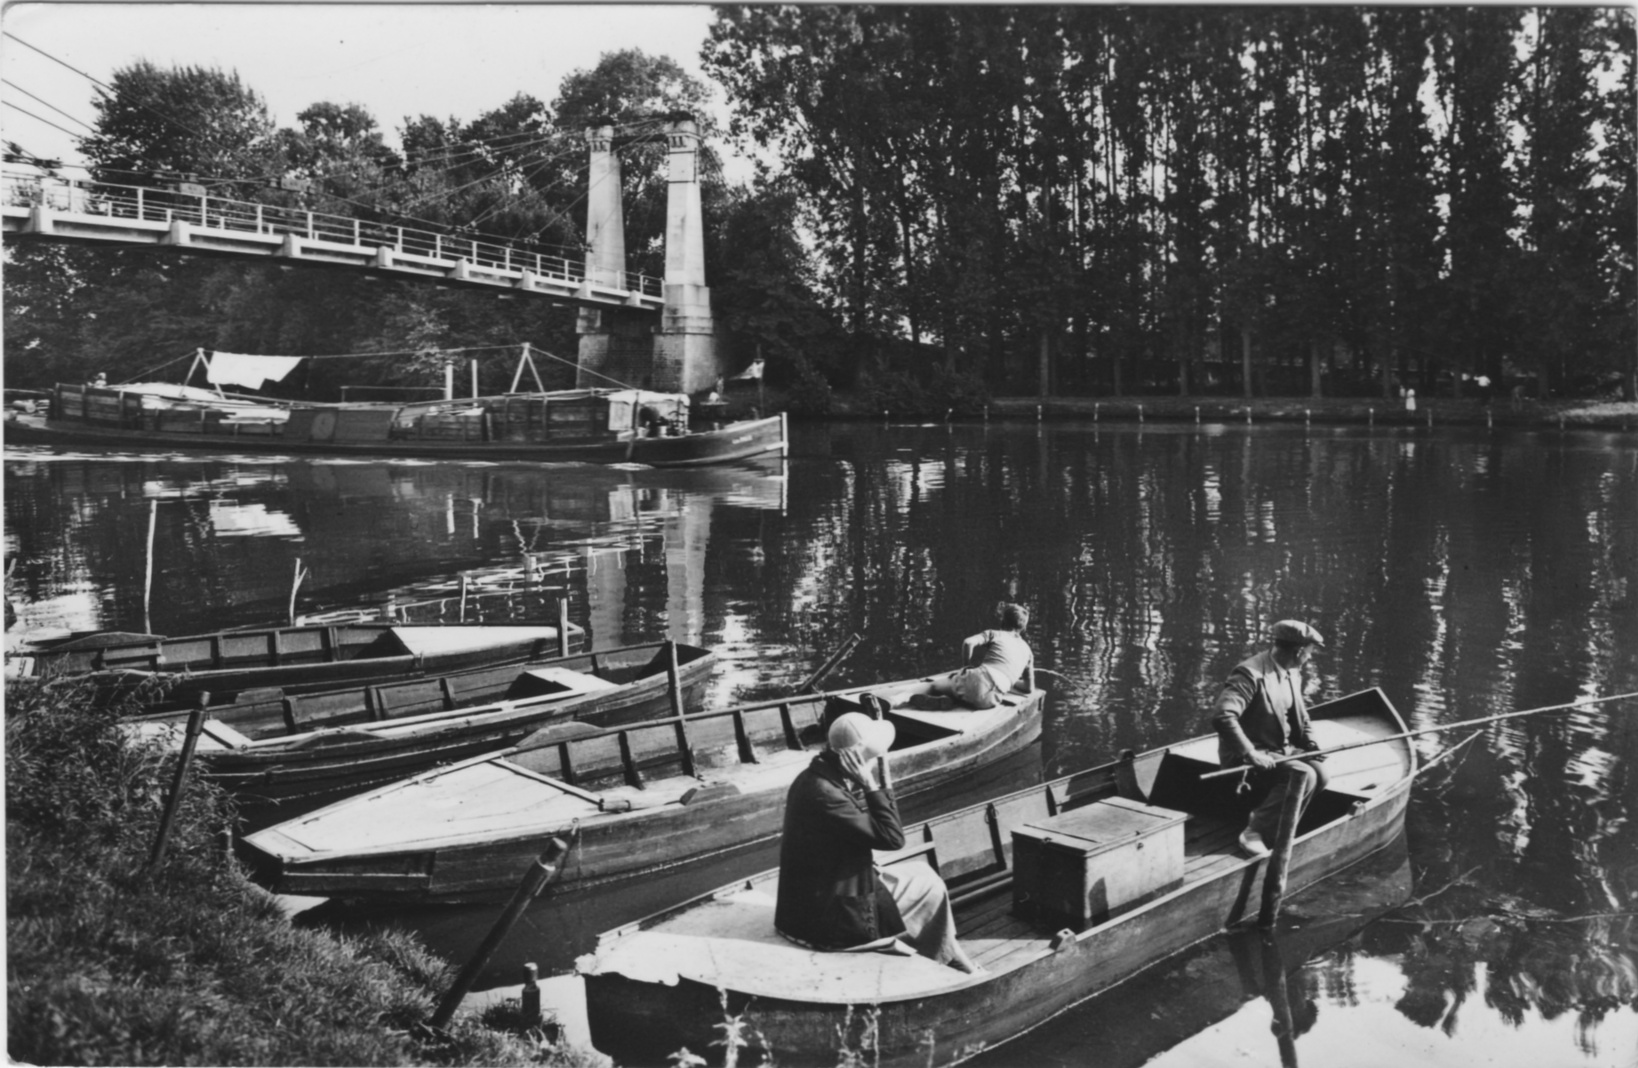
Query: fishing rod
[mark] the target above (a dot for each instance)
(1585, 702)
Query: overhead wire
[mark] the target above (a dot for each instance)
(47, 103)
(38, 118)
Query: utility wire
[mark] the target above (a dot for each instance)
(49, 104)
(37, 118)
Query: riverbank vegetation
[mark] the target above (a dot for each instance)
(955, 202)
(190, 963)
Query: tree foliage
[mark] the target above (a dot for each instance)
(1240, 199)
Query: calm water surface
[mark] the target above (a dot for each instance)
(1464, 574)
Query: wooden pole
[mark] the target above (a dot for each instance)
(812, 681)
(562, 626)
(1298, 784)
(148, 577)
(673, 680)
(1585, 702)
(530, 999)
(196, 725)
(1279, 999)
(295, 584)
(463, 596)
(541, 872)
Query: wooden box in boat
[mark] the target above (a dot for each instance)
(1082, 866)
(295, 659)
(637, 800)
(664, 982)
(298, 751)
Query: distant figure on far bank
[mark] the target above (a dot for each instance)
(101, 381)
(996, 661)
(1260, 716)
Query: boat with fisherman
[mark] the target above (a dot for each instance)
(1059, 892)
(288, 753)
(217, 667)
(636, 801)
(593, 425)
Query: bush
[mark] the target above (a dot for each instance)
(109, 964)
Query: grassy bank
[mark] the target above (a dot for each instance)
(190, 963)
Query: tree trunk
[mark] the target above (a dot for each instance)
(1245, 362)
(1044, 368)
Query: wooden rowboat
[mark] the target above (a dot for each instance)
(295, 659)
(299, 751)
(636, 800)
(1114, 869)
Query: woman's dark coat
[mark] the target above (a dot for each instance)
(829, 896)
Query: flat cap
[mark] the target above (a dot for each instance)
(1296, 632)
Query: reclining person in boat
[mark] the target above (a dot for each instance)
(996, 660)
(1260, 716)
(832, 896)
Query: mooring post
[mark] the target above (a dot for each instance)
(1140, 413)
(673, 679)
(540, 873)
(1298, 783)
(1370, 417)
(562, 626)
(196, 726)
(1197, 414)
(529, 1016)
(1248, 414)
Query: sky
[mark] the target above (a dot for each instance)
(397, 60)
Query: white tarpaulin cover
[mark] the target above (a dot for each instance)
(233, 369)
(432, 640)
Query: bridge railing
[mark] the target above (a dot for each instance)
(159, 204)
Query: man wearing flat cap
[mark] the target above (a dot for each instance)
(1261, 716)
(832, 896)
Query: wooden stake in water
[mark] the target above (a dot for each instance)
(673, 679)
(196, 725)
(562, 626)
(1298, 784)
(148, 578)
(541, 872)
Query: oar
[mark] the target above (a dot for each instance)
(1585, 702)
(811, 683)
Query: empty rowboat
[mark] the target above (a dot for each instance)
(294, 659)
(635, 801)
(1060, 892)
(299, 751)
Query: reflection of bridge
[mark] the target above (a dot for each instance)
(616, 326)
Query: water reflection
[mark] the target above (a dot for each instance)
(1466, 574)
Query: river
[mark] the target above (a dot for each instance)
(1466, 573)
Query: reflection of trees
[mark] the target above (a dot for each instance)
(1588, 968)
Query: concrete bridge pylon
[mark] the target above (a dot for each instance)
(681, 353)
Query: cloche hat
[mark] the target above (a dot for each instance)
(856, 728)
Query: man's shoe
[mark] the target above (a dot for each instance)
(1253, 845)
(931, 702)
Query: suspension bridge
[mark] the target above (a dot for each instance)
(617, 308)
